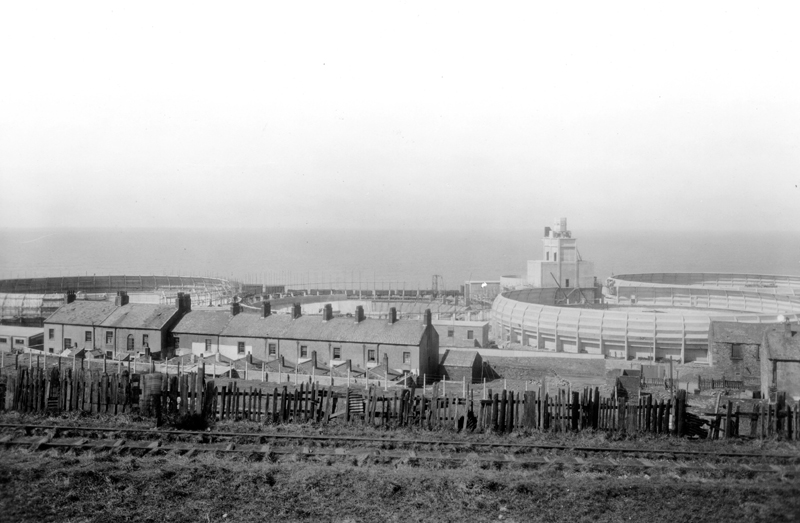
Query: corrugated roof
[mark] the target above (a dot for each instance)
(141, 316)
(460, 358)
(82, 313)
(313, 328)
(204, 322)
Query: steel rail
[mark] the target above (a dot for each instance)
(364, 439)
(119, 445)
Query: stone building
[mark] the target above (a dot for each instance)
(780, 362)
(454, 333)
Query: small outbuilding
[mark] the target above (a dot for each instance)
(460, 365)
(780, 363)
(462, 333)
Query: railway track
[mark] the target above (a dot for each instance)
(276, 446)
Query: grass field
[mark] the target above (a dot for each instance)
(51, 486)
(105, 486)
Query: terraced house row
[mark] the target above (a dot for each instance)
(121, 330)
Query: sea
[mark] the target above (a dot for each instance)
(398, 258)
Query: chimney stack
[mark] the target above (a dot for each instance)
(187, 303)
(266, 309)
(359, 313)
(70, 296)
(283, 363)
(296, 311)
(327, 312)
(787, 329)
(250, 358)
(392, 314)
(179, 302)
(121, 299)
(235, 308)
(348, 365)
(428, 317)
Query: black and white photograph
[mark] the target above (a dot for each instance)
(358, 262)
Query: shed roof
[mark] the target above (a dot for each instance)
(16, 330)
(733, 332)
(461, 323)
(140, 316)
(460, 358)
(313, 328)
(82, 313)
(781, 347)
(203, 322)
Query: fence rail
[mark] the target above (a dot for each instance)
(50, 390)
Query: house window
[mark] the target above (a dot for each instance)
(87, 336)
(240, 347)
(51, 333)
(273, 349)
(304, 351)
(109, 354)
(51, 350)
(450, 333)
(567, 283)
(555, 256)
(736, 351)
(109, 337)
(19, 341)
(130, 342)
(406, 358)
(3, 340)
(547, 256)
(208, 345)
(337, 353)
(371, 355)
(145, 340)
(470, 335)
(67, 343)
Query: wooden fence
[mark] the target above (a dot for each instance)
(159, 395)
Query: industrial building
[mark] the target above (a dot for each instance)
(31, 300)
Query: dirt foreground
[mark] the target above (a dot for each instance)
(54, 486)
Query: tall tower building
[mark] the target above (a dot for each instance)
(562, 265)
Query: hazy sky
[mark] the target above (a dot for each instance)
(401, 115)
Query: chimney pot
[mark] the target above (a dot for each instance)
(349, 365)
(313, 359)
(392, 314)
(427, 317)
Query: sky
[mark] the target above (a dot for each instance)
(400, 115)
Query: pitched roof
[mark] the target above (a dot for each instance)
(141, 316)
(313, 328)
(82, 313)
(203, 322)
(460, 358)
(16, 330)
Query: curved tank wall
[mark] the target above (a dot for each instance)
(649, 316)
(31, 298)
